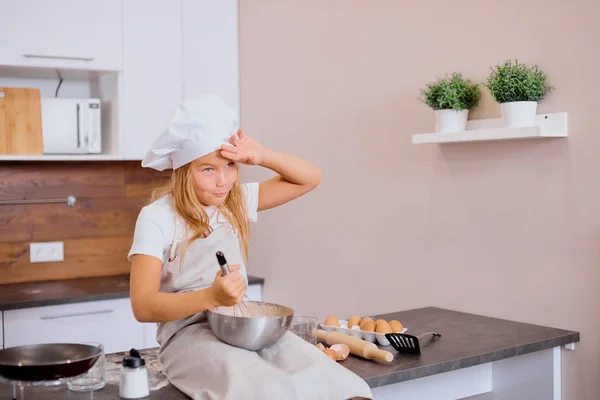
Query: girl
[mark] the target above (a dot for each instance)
(175, 276)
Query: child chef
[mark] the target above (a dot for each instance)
(175, 276)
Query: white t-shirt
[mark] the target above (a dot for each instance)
(155, 226)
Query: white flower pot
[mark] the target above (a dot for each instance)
(451, 120)
(519, 113)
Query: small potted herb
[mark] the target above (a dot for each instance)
(451, 98)
(518, 88)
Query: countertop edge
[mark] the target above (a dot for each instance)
(435, 369)
(254, 280)
(81, 298)
(63, 300)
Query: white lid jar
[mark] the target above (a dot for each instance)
(134, 377)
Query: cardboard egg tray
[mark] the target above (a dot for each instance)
(356, 332)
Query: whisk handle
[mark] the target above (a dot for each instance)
(223, 262)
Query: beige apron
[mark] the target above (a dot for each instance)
(203, 367)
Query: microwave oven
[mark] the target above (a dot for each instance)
(71, 126)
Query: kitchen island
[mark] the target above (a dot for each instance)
(477, 357)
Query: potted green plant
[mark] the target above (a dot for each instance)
(451, 98)
(518, 88)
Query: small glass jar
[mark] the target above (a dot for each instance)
(94, 378)
(306, 328)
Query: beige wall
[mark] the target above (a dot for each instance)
(501, 229)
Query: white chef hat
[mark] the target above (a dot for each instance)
(197, 128)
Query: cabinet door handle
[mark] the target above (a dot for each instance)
(58, 57)
(77, 111)
(81, 314)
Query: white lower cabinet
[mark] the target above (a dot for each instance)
(254, 292)
(150, 335)
(110, 322)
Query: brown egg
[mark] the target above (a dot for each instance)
(368, 326)
(362, 321)
(382, 327)
(320, 346)
(353, 321)
(379, 321)
(396, 326)
(332, 321)
(331, 353)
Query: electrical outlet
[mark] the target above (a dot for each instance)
(46, 252)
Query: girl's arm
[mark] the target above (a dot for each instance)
(296, 176)
(151, 305)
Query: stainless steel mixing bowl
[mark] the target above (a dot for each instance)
(267, 324)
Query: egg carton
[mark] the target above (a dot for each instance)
(356, 332)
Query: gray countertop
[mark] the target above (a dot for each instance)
(36, 294)
(467, 340)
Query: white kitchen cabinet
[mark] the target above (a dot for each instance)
(110, 322)
(254, 292)
(157, 53)
(210, 50)
(195, 51)
(150, 329)
(152, 79)
(79, 34)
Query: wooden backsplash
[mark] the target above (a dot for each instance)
(97, 231)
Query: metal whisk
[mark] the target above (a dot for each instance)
(241, 309)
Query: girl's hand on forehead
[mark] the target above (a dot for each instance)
(243, 149)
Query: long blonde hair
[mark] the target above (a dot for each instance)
(189, 208)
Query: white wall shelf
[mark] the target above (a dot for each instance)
(35, 72)
(60, 157)
(547, 126)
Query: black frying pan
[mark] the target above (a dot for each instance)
(47, 362)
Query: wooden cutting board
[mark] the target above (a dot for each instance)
(21, 122)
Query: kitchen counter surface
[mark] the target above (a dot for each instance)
(467, 340)
(37, 294)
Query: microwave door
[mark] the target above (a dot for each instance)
(63, 126)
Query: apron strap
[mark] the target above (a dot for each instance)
(175, 239)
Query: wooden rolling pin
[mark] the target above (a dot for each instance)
(358, 347)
